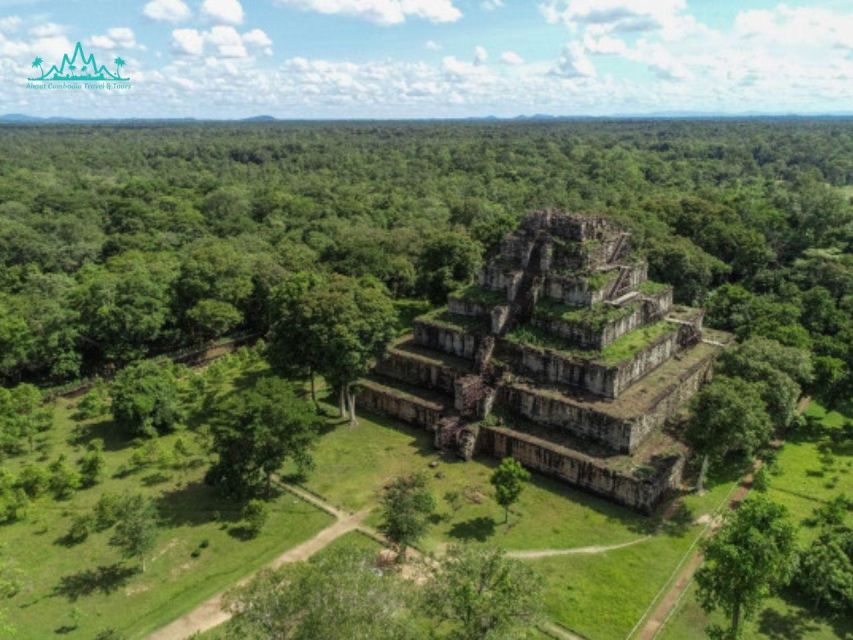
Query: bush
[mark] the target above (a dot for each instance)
(92, 463)
(63, 481)
(34, 480)
(13, 500)
(107, 511)
(145, 399)
(254, 517)
(80, 528)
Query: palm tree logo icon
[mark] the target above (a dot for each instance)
(37, 63)
(79, 66)
(119, 63)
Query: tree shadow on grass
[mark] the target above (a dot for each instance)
(104, 579)
(479, 529)
(115, 438)
(196, 504)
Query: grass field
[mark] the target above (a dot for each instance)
(79, 590)
(805, 478)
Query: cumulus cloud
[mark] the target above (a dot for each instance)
(806, 26)
(511, 58)
(167, 10)
(491, 5)
(226, 40)
(621, 16)
(228, 11)
(187, 42)
(574, 62)
(47, 30)
(385, 12)
(10, 24)
(432, 45)
(116, 38)
(258, 38)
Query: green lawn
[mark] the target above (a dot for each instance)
(802, 482)
(91, 586)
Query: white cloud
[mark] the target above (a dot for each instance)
(491, 5)
(480, 55)
(188, 41)
(228, 42)
(47, 30)
(258, 38)
(10, 24)
(623, 16)
(805, 26)
(228, 11)
(432, 45)
(511, 58)
(167, 10)
(116, 38)
(573, 62)
(384, 12)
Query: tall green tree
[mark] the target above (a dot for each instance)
(145, 398)
(483, 595)
(508, 480)
(751, 555)
(727, 415)
(338, 596)
(254, 431)
(447, 262)
(136, 529)
(407, 505)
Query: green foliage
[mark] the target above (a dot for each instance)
(95, 403)
(482, 595)
(136, 528)
(107, 511)
(63, 480)
(447, 262)
(254, 516)
(255, 431)
(407, 505)
(145, 398)
(13, 500)
(22, 417)
(34, 480)
(825, 570)
(92, 463)
(338, 596)
(81, 526)
(728, 415)
(751, 555)
(508, 480)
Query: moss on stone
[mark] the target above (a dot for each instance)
(476, 294)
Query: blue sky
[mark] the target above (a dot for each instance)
(435, 58)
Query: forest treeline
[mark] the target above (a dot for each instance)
(117, 242)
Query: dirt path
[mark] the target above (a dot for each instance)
(210, 614)
(547, 553)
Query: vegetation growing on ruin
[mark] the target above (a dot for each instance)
(595, 317)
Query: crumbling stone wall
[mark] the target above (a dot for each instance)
(446, 339)
(385, 401)
(640, 493)
(416, 371)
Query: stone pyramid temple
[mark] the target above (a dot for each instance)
(563, 355)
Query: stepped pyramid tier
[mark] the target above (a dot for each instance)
(563, 355)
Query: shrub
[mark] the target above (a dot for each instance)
(63, 480)
(107, 511)
(254, 517)
(34, 480)
(80, 528)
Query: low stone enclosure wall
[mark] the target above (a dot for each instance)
(601, 421)
(377, 398)
(640, 493)
(643, 310)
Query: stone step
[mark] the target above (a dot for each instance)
(412, 364)
(639, 483)
(414, 405)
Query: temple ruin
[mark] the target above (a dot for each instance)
(563, 355)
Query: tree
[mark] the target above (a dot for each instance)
(482, 594)
(338, 596)
(751, 555)
(34, 480)
(64, 480)
(119, 63)
(255, 431)
(508, 480)
(145, 398)
(213, 318)
(92, 463)
(22, 416)
(727, 415)
(136, 528)
(825, 570)
(407, 506)
(447, 262)
(254, 516)
(37, 63)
